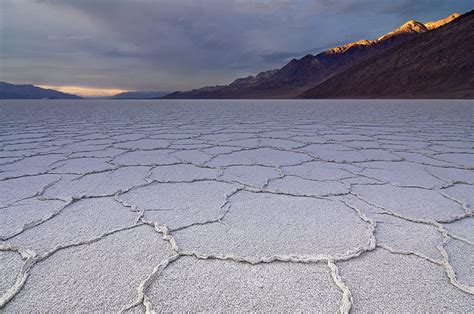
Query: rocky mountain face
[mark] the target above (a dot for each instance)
(439, 64)
(300, 75)
(411, 27)
(12, 91)
(436, 24)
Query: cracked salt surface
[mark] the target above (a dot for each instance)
(217, 286)
(382, 281)
(236, 206)
(92, 277)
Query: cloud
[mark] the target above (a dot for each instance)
(180, 44)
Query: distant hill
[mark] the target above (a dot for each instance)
(439, 64)
(12, 91)
(301, 75)
(139, 95)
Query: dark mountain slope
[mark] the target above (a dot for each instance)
(12, 91)
(437, 64)
(300, 75)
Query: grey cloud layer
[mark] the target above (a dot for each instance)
(180, 44)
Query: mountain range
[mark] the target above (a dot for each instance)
(13, 91)
(416, 60)
(439, 64)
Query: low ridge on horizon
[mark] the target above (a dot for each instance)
(29, 91)
(32, 91)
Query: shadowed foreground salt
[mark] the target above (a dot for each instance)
(236, 206)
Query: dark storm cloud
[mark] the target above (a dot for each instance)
(179, 44)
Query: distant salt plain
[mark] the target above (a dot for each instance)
(321, 206)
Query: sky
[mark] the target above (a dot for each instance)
(102, 47)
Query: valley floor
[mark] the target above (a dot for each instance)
(237, 206)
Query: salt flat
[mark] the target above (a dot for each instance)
(322, 206)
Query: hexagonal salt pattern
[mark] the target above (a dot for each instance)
(282, 206)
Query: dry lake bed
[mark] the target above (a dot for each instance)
(281, 206)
